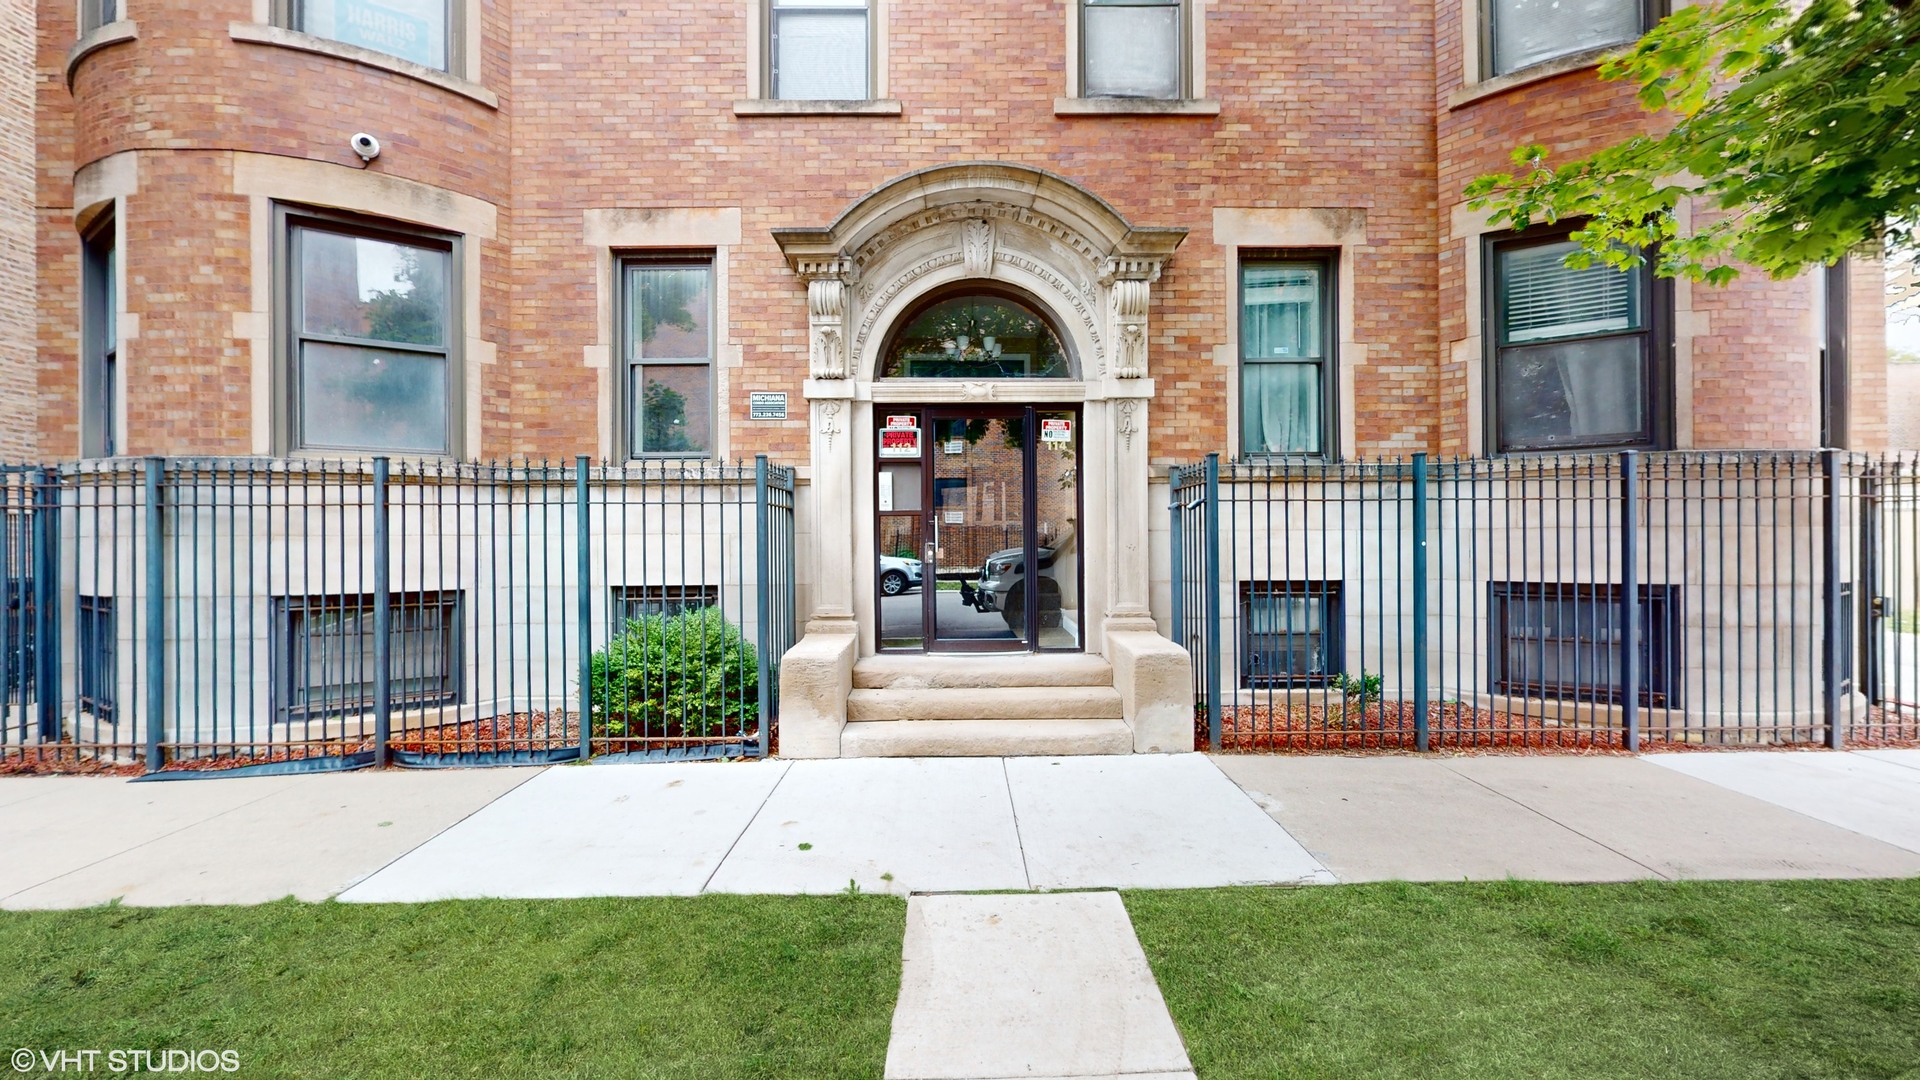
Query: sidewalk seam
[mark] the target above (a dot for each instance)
(1019, 840)
(368, 876)
(1547, 817)
(744, 829)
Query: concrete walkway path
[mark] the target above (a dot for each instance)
(1050, 986)
(879, 824)
(955, 824)
(1763, 814)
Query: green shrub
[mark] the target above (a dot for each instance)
(692, 671)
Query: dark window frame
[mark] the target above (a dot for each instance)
(1662, 637)
(96, 641)
(633, 602)
(1657, 305)
(627, 416)
(288, 614)
(1836, 363)
(1184, 88)
(1651, 12)
(290, 14)
(288, 332)
(99, 345)
(770, 13)
(1329, 363)
(1332, 646)
(976, 287)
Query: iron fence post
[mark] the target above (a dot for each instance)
(156, 681)
(1420, 732)
(1176, 546)
(45, 500)
(1213, 601)
(382, 620)
(763, 566)
(583, 601)
(1830, 617)
(1630, 674)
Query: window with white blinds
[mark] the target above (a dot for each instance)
(820, 50)
(1529, 32)
(1574, 362)
(1543, 297)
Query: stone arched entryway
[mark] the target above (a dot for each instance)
(991, 224)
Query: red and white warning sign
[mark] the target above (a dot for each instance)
(899, 442)
(899, 423)
(1056, 430)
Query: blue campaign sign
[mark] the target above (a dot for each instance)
(378, 27)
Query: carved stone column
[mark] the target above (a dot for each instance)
(1129, 283)
(830, 392)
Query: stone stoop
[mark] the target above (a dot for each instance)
(984, 706)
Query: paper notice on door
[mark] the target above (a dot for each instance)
(1056, 430)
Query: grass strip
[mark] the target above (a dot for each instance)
(1696, 980)
(714, 986)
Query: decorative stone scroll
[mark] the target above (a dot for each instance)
(976, 247)
(827, 318)
(1129, 284)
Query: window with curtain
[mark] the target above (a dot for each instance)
(1573, 359)
(99, 340)
(1131, 48)
(372, 353)
(820, 50)
(416, 30)
(1529, 32)
(1285, 313)
(668, 346)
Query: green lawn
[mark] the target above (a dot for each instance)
(698, 988)
(1795, 979)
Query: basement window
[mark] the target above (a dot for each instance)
(324, 653)
(1566, 641)
(1289, 633)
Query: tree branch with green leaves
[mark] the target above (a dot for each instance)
(1796, 128)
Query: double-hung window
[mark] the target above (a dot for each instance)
(99, 340)
(1576, 361)
(1286, 355)
(1523, 33)
(1132, 48)
(821, 50)
(372, 337)
(422, 31)
(667, 346)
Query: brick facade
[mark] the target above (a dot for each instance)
(610, 106)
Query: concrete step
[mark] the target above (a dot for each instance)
(950, 671)
(986, 703)
(984, 738)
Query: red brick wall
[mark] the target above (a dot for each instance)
(630, 106)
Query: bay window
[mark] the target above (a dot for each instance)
(421, 31)
(1577, 362)
(371, 342)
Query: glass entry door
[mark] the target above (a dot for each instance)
(978, 528)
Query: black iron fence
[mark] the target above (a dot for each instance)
(1678, 599)
(176, 617)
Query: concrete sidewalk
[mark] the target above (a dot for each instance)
(958, 824)
(1760, 814)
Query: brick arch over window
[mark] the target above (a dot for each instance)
(978, 221)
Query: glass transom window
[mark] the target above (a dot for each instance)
(820, 50)
(980, 336)
(1529, 32)
(372, 331)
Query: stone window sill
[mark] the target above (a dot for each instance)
(99, 38)
(780, 107)
(1513, 80)
(1108, 106)
(262, 34)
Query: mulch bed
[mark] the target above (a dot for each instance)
(494, 735)
(1389, 728)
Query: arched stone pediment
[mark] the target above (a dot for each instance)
(982, 221)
